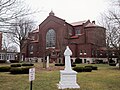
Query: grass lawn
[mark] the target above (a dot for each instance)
(105, 78)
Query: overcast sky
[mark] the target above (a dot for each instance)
(70, 10)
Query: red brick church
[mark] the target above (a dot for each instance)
(85, 39)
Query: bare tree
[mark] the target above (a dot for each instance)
(18, 32)
(6, 7)
(14, 22)
(11, 9)
(111, 22)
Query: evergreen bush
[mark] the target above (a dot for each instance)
(87, 69)
(25, 70)
(2, 61)
(4, 69)
(14, 61)
(19, 70)
(73, 65)
(16, 70)
(15, 65)
(78, 60)
(93, 67)
(59, 64)
(78, 69)
(112, 64)
(62, 64)
(27, 64)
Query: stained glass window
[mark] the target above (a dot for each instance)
(50, 38)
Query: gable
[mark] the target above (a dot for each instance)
(53, 19)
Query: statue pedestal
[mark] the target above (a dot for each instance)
(68, 79)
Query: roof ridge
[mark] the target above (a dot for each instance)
(78, 23)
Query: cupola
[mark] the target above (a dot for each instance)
(51, 13)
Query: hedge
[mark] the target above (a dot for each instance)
(27, 64)
(14, 61)
(62, 64)
(78, 61)
(82, 69)
(93, 67)
(78, 69)
(73, 65)
(15, 65)
(59, 64)
(20, 70)
(112, 64)
(25, 70)
(2, 61)
(87, 69)
(4, 69)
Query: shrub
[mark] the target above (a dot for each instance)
(62, 64)
(112, 64)
(111, 61)
(73, 65)
(89, 66)
(20, 70)
(2, 61)
(78, 60)
(14, 61)
(78, 69)
(87, 69)
(25, 70)
(4, 69)
(16, 70)
(93, 67)
(93, 63)
(15, 65)
(27, 64)
(59, 64)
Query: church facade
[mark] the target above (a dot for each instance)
(85, 39)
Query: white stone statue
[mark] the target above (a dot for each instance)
(67, 76)
(67, 55)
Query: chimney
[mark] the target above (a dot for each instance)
(93, 22)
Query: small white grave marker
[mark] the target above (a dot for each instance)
(31, 74)
(47, 62)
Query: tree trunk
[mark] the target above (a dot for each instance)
(44, 62)
(20, 55)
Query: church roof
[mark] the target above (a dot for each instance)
(78, 23)
(91, 25)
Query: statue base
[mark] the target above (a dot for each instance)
(67, 79)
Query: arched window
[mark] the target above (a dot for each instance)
(50, 38)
